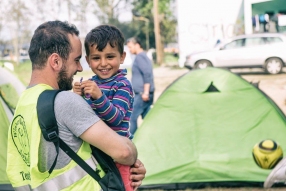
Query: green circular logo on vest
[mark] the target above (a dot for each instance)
(20, 138)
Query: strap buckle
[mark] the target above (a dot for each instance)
(53, 136)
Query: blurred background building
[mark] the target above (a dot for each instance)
(203, 23)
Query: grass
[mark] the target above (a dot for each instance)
(169, 60)
(23, 71)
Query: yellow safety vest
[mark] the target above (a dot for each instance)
(22, 153)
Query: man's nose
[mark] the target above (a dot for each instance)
(79, 67)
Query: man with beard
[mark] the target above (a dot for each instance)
(55, 51)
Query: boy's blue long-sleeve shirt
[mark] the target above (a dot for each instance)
(115, 105)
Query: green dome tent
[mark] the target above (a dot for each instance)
(202, 129)
(10, 89)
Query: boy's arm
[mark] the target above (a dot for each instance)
(114, 112)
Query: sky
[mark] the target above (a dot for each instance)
(51, 12)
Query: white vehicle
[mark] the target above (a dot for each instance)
(266, 50)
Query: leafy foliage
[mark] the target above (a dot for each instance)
(109, 11)
(168, 21)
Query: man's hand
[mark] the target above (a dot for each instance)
(138, 172)
(145, 93)
(145, 96)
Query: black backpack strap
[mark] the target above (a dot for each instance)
(49, 127)
(79, 161)
(46, 115)
(46, 119)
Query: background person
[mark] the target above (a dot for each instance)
(55, 51)
(142, 80)
(110, 93)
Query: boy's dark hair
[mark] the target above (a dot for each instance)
(135, 40)
(103, 34)
(51, 37)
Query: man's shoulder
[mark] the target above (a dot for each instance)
(143, 56)
(68, 97)
(64, 94)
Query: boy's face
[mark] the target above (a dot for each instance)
(105, 63)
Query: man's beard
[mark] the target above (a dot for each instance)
(64, 82)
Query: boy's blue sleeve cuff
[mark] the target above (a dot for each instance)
(99, 100)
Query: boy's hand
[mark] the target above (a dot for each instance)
(77, 89)
(91, 88)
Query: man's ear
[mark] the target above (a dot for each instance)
(122, 58)
(55, 61)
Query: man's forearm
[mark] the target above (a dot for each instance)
(129, 156)
(120, 148)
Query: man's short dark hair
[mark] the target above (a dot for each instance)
(103, 34)
(51, 37)
(135, 40)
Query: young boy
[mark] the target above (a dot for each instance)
(108, 92)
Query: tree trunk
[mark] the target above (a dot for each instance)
(159, 52)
